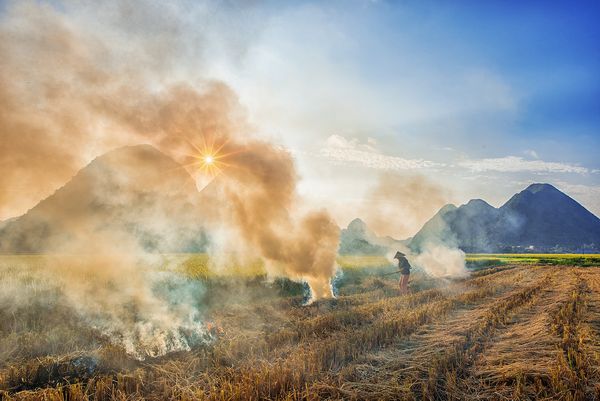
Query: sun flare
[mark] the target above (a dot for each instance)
(210, 158)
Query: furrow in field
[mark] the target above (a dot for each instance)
(418, 367)
(571, 371)
(298, 366)
(273, 341)
(589, 332)
(249, 344)
(593, 277)
(518, 361)
(338, 319)
(551, 355)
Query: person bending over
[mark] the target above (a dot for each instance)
(404, 267)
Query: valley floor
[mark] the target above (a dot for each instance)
(506, 333)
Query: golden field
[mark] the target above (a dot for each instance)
(518, 330)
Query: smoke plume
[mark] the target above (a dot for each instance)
(400, 204)
(68, 95)
(441, 261)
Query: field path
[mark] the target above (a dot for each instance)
(592, 326)
(523, 353)
(406, 365)
(592, 276)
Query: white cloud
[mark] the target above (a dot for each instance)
(531, 153)
(341, 142)
(512, 164)
(339, 149)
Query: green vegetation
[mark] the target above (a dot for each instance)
(481, 260)
(198, 266)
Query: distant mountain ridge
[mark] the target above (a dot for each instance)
(143, 194)
(540, 218)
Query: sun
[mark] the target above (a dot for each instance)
(209, 162)
(211, 157)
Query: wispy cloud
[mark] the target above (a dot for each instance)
(512, 164)
(339, 149)
(531, 153)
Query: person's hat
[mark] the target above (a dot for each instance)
(398, 254)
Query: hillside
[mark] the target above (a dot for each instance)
(134, 192)
(540, 219)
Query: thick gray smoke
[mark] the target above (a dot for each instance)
(68, 94)
(95, 234)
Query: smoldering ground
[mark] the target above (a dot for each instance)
(68, 94)
(73, 302)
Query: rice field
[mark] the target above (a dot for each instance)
(477, 260)
(519, 330)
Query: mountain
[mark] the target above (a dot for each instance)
(547, 217)
(131, 193)
(540, 218)
(357, 239)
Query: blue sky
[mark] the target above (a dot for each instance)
(546, 56)
(494, 94)
(480, 98)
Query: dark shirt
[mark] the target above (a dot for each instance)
(404, 265)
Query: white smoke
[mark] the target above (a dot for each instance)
(436, 260)
(441, 261)
(139, 305)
